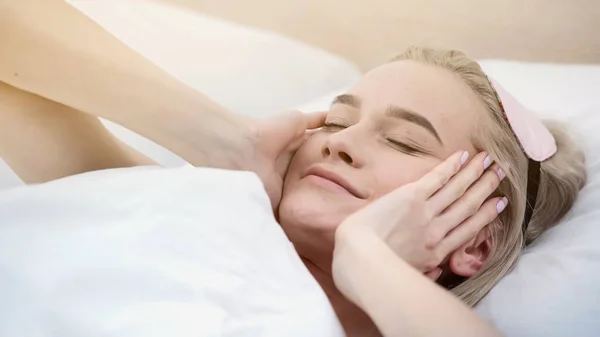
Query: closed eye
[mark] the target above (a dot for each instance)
(333, 126)
(408, 149)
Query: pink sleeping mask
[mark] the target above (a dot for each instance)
(536, 141)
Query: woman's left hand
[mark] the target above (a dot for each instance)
(424, 221)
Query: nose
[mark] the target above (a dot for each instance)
(340, 146)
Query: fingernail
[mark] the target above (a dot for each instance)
(501, 174)
(464, 157)
(487, 162)
(501, 205)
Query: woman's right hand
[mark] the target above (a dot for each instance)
(424, 221)
(274, 142)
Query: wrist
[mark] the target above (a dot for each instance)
(224, 142)
(355, 252)
(205, 134)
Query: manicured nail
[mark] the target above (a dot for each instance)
(464, 157)
(487, 162)
(501, 174)
(501, 205)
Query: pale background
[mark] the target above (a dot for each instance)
(368, 32)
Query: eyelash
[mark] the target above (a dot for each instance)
(403, 147)
(328, 126)
(400, 146)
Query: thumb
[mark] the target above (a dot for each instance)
(299, 122)
(291, 126)
(311, 121)
(315, 119)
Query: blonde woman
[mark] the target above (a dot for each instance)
(419, 172)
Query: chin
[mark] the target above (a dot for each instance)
(310, 212)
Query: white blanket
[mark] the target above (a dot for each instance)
(153, 252)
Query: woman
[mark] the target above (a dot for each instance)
(396, 125)
(462, 112)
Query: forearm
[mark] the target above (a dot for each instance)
(42, 140)
(400, 300)
(50, 49)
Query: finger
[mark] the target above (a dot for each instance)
(470, 228)
(470, 202)
(439, 176)
(315, 119)
(295, 145)
(434, 274)
(289, 127)
(310, 133)
(459, 184)
(296, 123)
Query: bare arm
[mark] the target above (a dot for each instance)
(399, 299)
(50, 49)
(43, 140)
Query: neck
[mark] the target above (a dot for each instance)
(354, 321)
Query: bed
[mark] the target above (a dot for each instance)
(278, 65)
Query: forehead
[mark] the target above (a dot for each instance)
(433, 92)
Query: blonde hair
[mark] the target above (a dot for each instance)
(561, 178)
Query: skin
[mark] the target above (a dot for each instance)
(365, 146)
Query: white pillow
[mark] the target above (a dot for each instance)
(554, 290)
(250, 71)
(7, 177)
(559, 89)
(196, 252)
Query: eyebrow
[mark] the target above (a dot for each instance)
(347, 99)
(413, 117)
(392, 111)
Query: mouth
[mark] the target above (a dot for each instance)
(334, 179)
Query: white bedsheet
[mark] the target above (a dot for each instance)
(153, 252)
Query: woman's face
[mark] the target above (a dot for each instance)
(397, 123)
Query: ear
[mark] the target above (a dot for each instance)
(467, 260)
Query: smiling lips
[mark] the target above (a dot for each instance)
(332, 181)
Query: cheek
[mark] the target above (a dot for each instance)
(305, 207)
(395, 172)
(308, 154)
